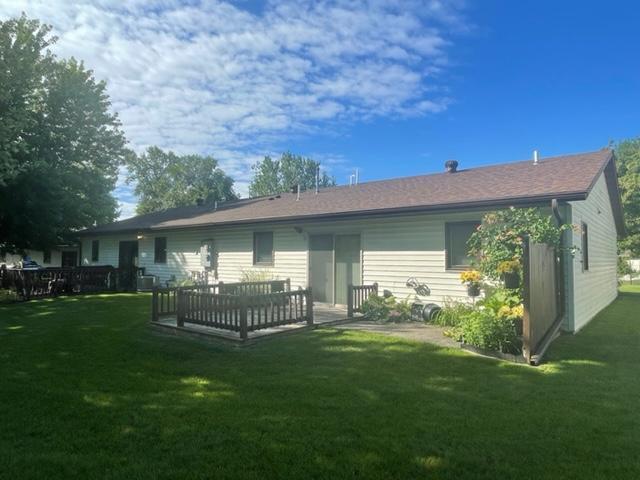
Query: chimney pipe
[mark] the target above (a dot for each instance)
(357, 176)
(298, 191)
(317, 178)
(535, 157)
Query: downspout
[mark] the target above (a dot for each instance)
(555, 208)
(560, 285)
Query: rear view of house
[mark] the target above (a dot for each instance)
(385, 232)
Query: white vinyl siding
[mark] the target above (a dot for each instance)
(393, 250)
(108, 250)
(38, 257)
(398, 249)
(597, 287)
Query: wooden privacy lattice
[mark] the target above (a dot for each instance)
(542, 296)
(357, 295)
(244, 314)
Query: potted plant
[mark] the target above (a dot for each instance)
(509, 270)
(471, 278)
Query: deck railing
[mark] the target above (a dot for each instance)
(244, 313)
(357, 295)
(165, 299)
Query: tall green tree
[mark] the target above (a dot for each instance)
(165, 180)
(277, 176)
(628, 163)
(60, 146)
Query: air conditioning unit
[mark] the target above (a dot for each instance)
(146, 283)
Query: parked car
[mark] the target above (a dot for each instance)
(28, 265)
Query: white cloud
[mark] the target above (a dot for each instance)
(213, 78)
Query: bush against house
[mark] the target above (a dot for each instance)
(497, 245)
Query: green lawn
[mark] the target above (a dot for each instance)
(87, 390)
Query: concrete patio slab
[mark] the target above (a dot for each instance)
(416, 331)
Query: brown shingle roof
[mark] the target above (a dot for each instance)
(568, 177)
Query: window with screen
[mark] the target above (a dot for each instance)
(263, 248)
(160, 250)
(95, 250)
(456, 237)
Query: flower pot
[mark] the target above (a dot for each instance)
(473, 290)
(511, 280)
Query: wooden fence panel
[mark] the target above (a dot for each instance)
(541, 296)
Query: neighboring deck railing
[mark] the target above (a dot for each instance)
(357, 295)
(50, 282)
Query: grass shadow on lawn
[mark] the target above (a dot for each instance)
(89, 389)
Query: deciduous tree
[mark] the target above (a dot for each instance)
(165, 180)
(277, 176)
(60, 145)
(628, 163)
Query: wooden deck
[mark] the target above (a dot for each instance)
(323, 315)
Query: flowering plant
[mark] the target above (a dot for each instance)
(508, 266)
(470, 277)
(497, 244)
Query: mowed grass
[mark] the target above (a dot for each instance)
(88, 390)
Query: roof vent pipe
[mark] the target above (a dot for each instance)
(535, 157)
(298, 191)
(317, 178)
(451, 166)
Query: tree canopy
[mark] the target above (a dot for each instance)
(60, 146)
(165, 180)
(277, 176)
(628, 163)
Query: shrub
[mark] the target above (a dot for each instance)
(483, 328)
(257, 275)
(381, 309)
(497, 243)
(493, 323)
(8, 296)
(501, 299)
(452, 313)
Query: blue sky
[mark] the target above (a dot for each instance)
(390, 88)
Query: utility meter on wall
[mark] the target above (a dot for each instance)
(207, 257)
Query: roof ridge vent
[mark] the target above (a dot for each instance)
(451, 166)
